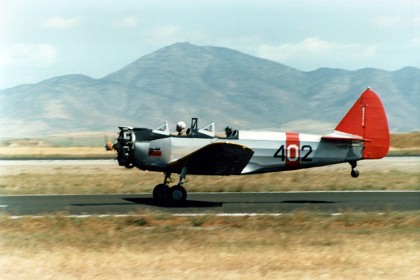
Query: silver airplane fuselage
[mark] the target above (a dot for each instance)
(273, 151)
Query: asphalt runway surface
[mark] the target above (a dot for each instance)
(276, 202)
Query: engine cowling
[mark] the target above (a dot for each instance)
(125, 147)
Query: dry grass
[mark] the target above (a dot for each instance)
(114, 179)
(300, 245)
(157, 245)
(54, 152)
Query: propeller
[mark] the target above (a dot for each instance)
(109, 146)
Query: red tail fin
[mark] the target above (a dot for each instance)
(367, 119)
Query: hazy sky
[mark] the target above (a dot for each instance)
(48, 38)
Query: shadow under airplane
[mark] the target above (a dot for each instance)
(174, 204)
(208, 204)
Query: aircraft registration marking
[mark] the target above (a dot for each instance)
(292, 153)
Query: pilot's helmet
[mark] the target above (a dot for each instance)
(180, 126)
(228, 130)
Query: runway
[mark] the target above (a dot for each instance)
(276, 202)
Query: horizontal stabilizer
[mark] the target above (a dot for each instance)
(340, 136)
(214, 159)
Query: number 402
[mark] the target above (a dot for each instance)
(291, 153)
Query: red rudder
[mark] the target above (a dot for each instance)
(367, 119)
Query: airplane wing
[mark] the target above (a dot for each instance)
(214, 159)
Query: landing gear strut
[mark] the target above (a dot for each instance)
(163, 192)
(354, 173)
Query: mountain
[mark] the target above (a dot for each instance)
(212, 83)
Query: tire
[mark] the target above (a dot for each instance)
(161, 192)
(178, 193)
(354, 173)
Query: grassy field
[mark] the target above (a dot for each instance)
(107, 177)
(27, 152)
(157, 245)
(300, 245)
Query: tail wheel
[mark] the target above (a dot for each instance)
(178, 193)
(161, 192)
(354, 173)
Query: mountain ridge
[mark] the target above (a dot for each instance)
(181, 81)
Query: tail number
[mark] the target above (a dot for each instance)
(292, 153)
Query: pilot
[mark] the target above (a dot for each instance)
(229, 132)
(180, 128)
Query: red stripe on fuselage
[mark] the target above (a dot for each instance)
(292, 151)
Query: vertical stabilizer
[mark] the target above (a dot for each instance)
(367, 119)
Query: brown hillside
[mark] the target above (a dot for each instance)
(406, 140)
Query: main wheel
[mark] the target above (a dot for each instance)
(178, 193)
(161, 192)
(354, 173)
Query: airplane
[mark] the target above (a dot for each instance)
(363, 133)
